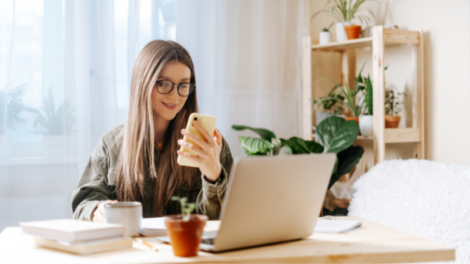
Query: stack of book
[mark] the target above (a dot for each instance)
(153, 226)
(76, 236)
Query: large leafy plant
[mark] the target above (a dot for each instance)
(52, 122)
(333, 135)
(11, 106)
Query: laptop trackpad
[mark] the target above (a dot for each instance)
(209, 237)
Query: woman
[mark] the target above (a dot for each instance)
(136, 161)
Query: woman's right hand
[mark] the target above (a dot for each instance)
(98, 214)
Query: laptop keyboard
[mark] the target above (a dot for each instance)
(208, 241)
(209, 237)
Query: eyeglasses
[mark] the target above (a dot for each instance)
(184, 89)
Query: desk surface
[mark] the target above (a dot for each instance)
(372, 243)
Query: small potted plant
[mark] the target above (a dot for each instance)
(350, 95)
(345, 11)
(366, 120)
(185, 230)
(328, 106)
(393, 100)
(325, 36)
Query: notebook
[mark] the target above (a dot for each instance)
(335, 226)
(69, 230)
(153, 226)
(86, 247)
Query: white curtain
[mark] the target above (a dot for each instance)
(74, 58)
(247, 56)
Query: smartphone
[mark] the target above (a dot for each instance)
(208, 122)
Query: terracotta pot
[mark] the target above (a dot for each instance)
(185, 236)
(352, 118)
(392, 121)
(353, 31)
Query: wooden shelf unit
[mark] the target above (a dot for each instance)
(380, 39)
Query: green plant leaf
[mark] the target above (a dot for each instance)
(255, 146)
(336, 134)
(277, 145)
(347, 159)
(369, 96)
(288, 150)
(263, 133)
(313, 146)
(297, 145)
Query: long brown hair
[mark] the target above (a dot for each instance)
(137, 159)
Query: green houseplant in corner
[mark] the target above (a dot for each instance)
(333, 135)
(185, 230)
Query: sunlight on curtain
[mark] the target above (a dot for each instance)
(247, 56)
(64, 81)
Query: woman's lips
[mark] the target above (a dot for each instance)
(170, 106)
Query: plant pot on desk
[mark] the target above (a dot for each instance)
(185, 236)
(392, 121)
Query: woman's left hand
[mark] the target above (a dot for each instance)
(207, 151)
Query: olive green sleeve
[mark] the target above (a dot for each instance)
(93, 186)
(210, 198)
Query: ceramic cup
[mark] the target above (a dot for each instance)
(128, 214)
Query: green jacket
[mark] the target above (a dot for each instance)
(98, 183)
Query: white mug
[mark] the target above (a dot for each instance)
(128, 214)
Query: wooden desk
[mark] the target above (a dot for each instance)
(372, 243)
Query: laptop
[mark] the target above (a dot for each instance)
(269, 200)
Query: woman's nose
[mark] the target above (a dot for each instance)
(174, 93)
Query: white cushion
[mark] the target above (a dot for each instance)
(425, 198)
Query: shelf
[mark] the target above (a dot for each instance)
(401, 135)
(343, 67)
(391, 37)
(394, 135)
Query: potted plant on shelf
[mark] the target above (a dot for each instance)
(350, 96)
(345, 11)
(332, 104)
(325, 36)
(11, 106)
(366, 121)
(393, 100)
(185, 230)
(54, 125)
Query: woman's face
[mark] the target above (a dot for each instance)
(166, 106)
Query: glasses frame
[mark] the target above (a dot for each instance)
(192, 87)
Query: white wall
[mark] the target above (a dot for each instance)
(446, 27)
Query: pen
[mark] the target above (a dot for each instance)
(143, 242)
